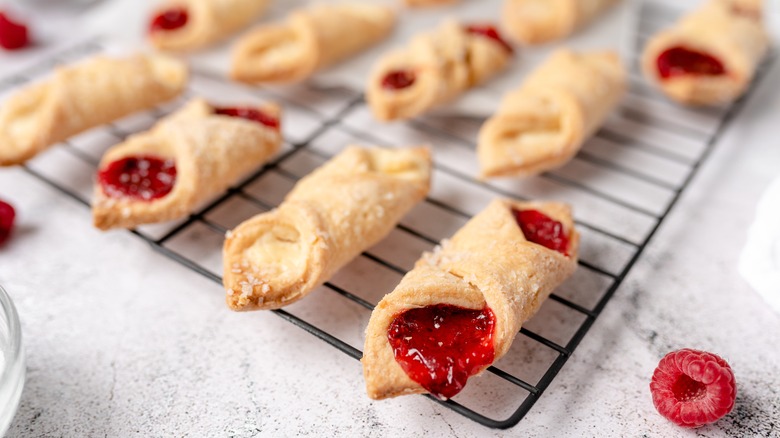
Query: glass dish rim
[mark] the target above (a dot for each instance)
(10, 375)
(14, 330)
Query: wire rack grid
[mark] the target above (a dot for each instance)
(622, 185)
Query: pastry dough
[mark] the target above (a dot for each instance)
(749, 8)
(308, 40)
(540, 21)
(83, 96)
(208, 21)
(210, 151)
(426, 3)
(542, 125)
(489, 263)
(731, 31)
(330, 217)
(441, 65)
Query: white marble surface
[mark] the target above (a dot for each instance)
(123, 342)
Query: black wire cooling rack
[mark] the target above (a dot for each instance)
(622, 185)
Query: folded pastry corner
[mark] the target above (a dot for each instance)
(708, 57)
(561, 104)
(331, 216)
(541, 21)
(193, 24)
(83, 96)
(435, 68)
(459, 309)
(187, 158)
(308, 40)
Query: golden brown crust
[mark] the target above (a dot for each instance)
(561, 104)
(83, 96)
(487, 262)
(329, 218)
(730, 30)
(308, 40)
(209, 21)
(541, 21)
(211, 152)
(445, 62)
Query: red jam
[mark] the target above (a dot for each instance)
(252, 114)
(441, 346)
(170, 19)
(140, 177)
(489, 31)
(542, 230)
(13, 35)
(679, 61)
(398, 79)
(7, 215)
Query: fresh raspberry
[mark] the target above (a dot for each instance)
(7, 215)
(692, 388)
(13, 35)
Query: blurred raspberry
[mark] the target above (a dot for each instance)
(7, 215)
(13, 35)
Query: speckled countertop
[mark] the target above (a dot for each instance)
(123, 342)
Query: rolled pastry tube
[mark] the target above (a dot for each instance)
(83, 96)
(185, 160)
(541, 21)
(710, 56)
(330, 217)
(194, 24)
(308, 40)
(435, 68)
(543, 124)
(459, 309)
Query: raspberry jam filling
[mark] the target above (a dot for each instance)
(13, 35)
(542, 230)
(7, 216)
(252, 114)
(680, 61)
(141, 177)
(489, 31)
(168, 20)
(441, 346)
(398, 79)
